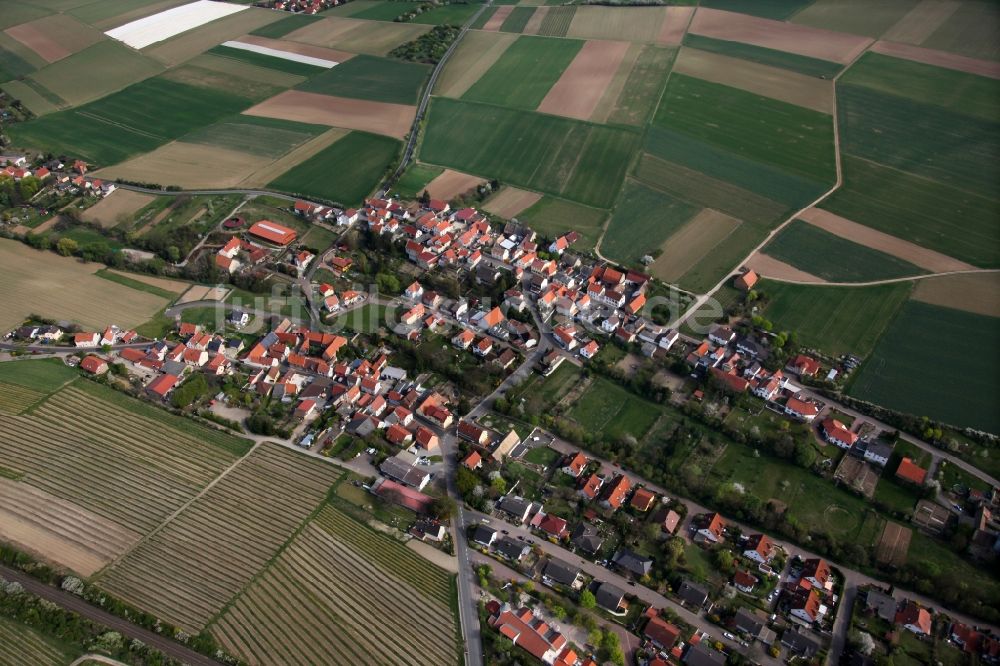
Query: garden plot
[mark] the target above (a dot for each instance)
(166, 24)
(189, 570)
(802, 40)
(116, 207)
(369, 597)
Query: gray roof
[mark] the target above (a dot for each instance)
(693, 594)
(608, 596)
(484, 535)
(881, 448)
(515, 506)
(511, 549)
(748, 623)
(639, 565)
(402, 472)
(586, 537)
(799, 643)
(561, 572)
(883, 604)
(702, 655)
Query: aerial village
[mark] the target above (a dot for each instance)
(382, 393)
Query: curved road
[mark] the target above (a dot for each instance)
(77, 605)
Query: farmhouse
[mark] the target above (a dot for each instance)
(746, 281)
(272, 232)
(805, 410)
(94, 365)
(161, 386)
(837, 433)
(529, 633)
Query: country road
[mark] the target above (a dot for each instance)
(873, 283)
(74, 603)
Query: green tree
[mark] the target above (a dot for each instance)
(67, 246)
(466, 481)
(587, 599)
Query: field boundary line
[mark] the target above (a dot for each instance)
(30, 410)
(914, 175)
(127, 128)
(838, 164)
(169, 519)
(911, 278)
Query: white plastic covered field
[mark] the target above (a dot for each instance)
(166, 24)
(277, 53)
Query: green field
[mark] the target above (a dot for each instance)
(448, 15)
(923, 139)
(644, 86)
(266, 137)
(284, 26)
(40, 375)
(556, 22)
(483, 18)
(553, 217)
(924, 365)
(793, 62)
(140, 118)
(15, 13)
(834, 258)
(721, 164)
(372, 78)
(572, 159)
(380, 11)
(413, 181)
(836, 320)
(971, 31)
(642, 220)
(517, 19)
(12, 65)
(937, 216)
(963, 93)
(323, 175)
(267, 61)
(770, 9)
(525, 72)
(761, 129)
(610, 410)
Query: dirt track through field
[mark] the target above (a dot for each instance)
(579, 89)
(379, 117)
(675, 25)
(452, 183)
(499, 16)
(938, 58)
(768, 266)
(298, 48)
(974, 292)
(510, 201)
(813, 42)
(920, 22)
(930, 260)
(781, 84)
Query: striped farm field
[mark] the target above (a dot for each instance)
(111, 460)
(557, 21)
(16, 399)
(342, 593)
(21, 645)
(189, 570)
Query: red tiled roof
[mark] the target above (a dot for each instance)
(910, 471)
(93, 364)
(914, 615)
(662, 632)
(273, 232)
(616, 492)
(642, 499)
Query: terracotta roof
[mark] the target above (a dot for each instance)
(642, 499)
(662, 632)
(616, 491)
(93, 364)
(472, 460)
(914, 615)
(910, 471)
(273, 232)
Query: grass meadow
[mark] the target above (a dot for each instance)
(607, 409)
(834, 258)
(937, 362)
(836, 320)
(575, 160)
(525, 72)
(416, 177)
(372, 78)
(282, 27)
(553, 217)
(326, 175)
